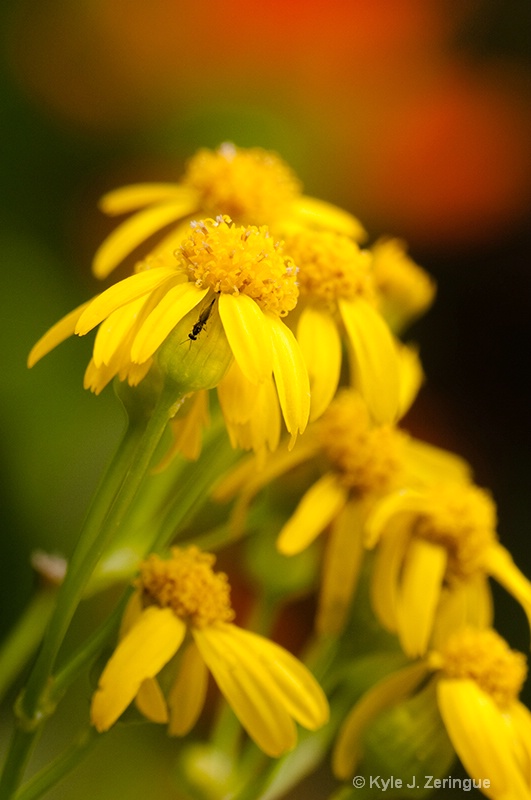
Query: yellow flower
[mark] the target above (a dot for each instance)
(405, 290)
(339, 300)
(236, 282)
(252, 186)
(437, 547)
(361, 463)
(478, 679)
(182, 607)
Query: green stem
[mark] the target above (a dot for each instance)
(18, 755)
(22, 641)
(60, 767)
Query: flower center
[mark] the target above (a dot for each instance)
(461, 518)
(484, 657)
(187, 584)
(368, 459)
(249, 185)
(331, 266)
(234, 259)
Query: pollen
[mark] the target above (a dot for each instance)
(331, 266)
(240, 260)
(484, 657)
(249, 185)
(462, 518)
(368, 459)
(187, 584)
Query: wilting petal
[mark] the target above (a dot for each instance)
(141, 654)
(187, 694)
(343, 559)
(120, 294)
(381, 696)
(291, 377)
(500, 565)
(401, 502)
(135, 230)
(318, 507)
(250, 691)
(421, 584)
(375, 353)
(140, 195)
(481, 738)
(320, 343)
(150, 701)
(175, 304)
(466, 604)
(386, 575)
(58, 333)
(429, 464)
(248, 335)
(320, 214)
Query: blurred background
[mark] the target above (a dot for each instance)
(412, 114)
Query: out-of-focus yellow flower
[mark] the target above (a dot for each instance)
(361, 464)
(339, 300)
(478, 680)
(437, 547)
(252, 186)
(404, 290)
(182, 607)
(240, 283)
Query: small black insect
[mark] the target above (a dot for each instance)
(201, 322)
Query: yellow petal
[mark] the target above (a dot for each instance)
(318, 507)
(175, 304)
(381, 696)
(187, 694)
(343, 559)
(422, 577)
(120, 294)
(405, 501)
(320, 343)
(141, 654)
(291, 377)
(376, 359)
(429, 464)
(466, 604)
(249, 690)
(57, 334)
(150, 701)
(132, 614)
(97, 378)
(248, 335)
(320, 214)
(135, 230)
(411, 377)
(481, 738)
(386, 576)
(115, 330)
(140, 195)
(237, 395)
(301, 694)
(500, 565)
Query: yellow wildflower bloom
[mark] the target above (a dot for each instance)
(181, 606)
(438, 546)
(361, 464)
(477, 679)
(405, 290)
(237, 281)
(339, 300)
(252, 186)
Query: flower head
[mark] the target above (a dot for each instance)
(437, 546)
(236, 281)
(339, 302)
(252, 186)
(477, 678)
(181, 606)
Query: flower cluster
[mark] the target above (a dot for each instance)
(275, 300)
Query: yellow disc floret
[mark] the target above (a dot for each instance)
(250, 185)
(484, 657)
(240, 260)
(462, 518)
(187, 584)
(368, 459)
(331, 266)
